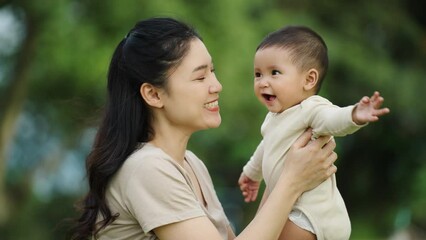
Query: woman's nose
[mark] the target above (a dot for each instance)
(216, 87)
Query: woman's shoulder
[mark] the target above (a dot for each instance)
(145, 161)
(143, 155)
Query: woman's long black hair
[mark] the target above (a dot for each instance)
(146, 55)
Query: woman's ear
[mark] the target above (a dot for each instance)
(311, 79)
(151, 95)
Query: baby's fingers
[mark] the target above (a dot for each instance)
(253, 196)
(381, 112)
(243, 187)
(377, 103)
(375, 95)
(248, 196)
(365, 100)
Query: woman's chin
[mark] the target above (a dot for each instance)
(215, 123)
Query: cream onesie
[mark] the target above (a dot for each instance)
(323, 206)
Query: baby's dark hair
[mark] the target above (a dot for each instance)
(307, 49)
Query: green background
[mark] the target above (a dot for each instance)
(54, 56)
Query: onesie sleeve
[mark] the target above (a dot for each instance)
(157, 193)
(253, 168)
(328, 119)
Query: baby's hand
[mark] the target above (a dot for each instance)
(249, 188)
(368, 109)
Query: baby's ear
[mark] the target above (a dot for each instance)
(151, 95)
(311, 79)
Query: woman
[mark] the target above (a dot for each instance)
(143, 182)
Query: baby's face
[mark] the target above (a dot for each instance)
(278, 83)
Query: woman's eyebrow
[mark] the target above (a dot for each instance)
(201, 67)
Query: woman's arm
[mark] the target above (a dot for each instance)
(194, 228)
(264, 198)
(307, 165)
(231, 234)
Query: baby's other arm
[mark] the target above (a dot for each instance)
(251, 176)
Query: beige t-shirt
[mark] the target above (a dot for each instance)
(151, 190)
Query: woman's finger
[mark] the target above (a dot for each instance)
(322, 141)
(304, 139)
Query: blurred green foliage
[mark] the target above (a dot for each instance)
(53, 63)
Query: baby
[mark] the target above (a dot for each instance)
(289, 66)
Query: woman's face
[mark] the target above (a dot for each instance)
(191, 101)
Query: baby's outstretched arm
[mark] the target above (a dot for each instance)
(368, 109)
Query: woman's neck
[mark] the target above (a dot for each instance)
(175, 146)
(171, 138)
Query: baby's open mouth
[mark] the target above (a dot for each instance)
(269, 97)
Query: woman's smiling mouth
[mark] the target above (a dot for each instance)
(212, 106)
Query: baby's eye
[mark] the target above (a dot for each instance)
(275, 72)
(257, 75)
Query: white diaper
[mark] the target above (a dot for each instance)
(301, 220)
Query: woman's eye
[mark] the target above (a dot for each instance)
(275, 72)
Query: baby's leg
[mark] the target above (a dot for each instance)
(293, 232)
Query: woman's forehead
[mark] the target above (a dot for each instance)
(197, 55)
(197, 59)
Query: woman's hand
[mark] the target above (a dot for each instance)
(309, 163)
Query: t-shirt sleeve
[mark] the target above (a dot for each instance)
(157, 193)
